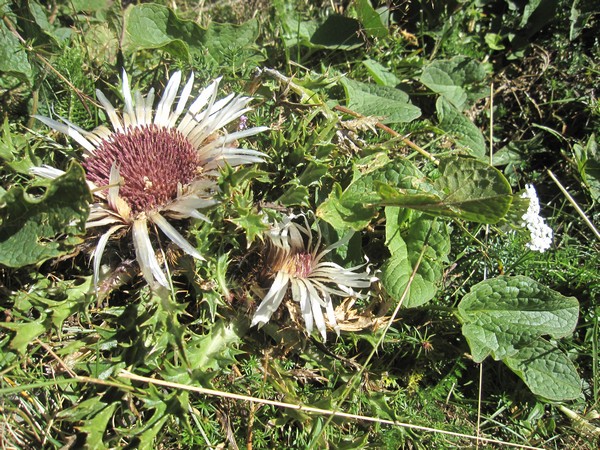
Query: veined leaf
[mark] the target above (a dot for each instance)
(467, 189)
(546, 370)
(408, 233)
(503, 314)
(391, 104)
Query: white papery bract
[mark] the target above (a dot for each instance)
(157, 164)
(541, 234)
(295, 261)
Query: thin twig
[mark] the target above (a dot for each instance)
(388, 130)
(575, 205)
(308, 409)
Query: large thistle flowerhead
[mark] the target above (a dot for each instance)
(297, 262)
(156, 163)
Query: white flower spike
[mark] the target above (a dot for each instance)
(541, 234)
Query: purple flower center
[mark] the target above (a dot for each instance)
(152, 161)
(299, 265)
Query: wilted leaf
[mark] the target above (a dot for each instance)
(467, 189)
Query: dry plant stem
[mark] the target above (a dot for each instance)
(309, 409)
(575, 205)
(388, 130)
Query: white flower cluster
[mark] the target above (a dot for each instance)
(541, 234)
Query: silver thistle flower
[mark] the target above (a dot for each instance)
(297, 262)
(156, 164)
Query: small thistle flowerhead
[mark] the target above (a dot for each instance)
(296, 263)
(157, 163)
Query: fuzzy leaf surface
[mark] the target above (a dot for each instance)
(504, 314)
(467, 189)
(407, 233)
(459, 80)
(546, 370)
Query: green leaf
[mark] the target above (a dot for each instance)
(381, 74)
(295, 194)
(96, 426)
(355, 206)
(25, 333)
(502, 315)
(370, 19)
(460, 128)
(337, 33)
(546, 371)
(459, 80)
(151, 26)
(218, 348)
(13, 57)
(234, 45)
(35, 229)
(407, 233)
(587, 159)
(467, 189)
(391, 104)
(102, 43)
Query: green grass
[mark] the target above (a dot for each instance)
(63, 349)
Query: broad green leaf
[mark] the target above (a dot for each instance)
(390, 104)
(234, 45)
(459, 80)
(25, 333)
(502, 315)
(467, 189)
(13, 57)
(381, 74)
(546, 371)
(407, 234)
(35, 229)
(151, 26)
(370, 19)
(579, 17)
(337, 33)
(460, 128)
(295, 32)
(355, 206)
